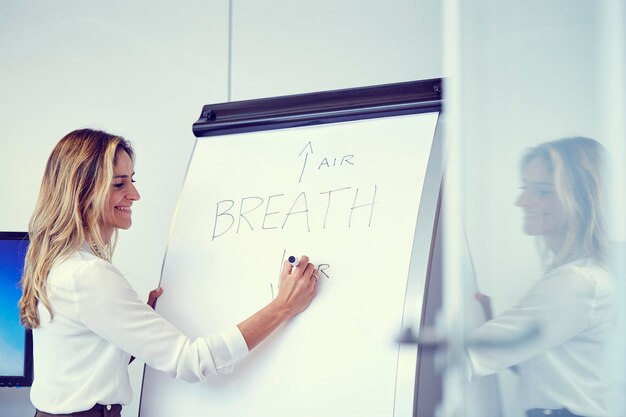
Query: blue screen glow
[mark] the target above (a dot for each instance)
(12, 341)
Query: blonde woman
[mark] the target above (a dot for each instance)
(86, 319)
(564, 369)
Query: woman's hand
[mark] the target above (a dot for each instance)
(485, 303)
(296, 290)
(297, 286)
(153, 296)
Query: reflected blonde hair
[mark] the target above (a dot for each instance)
(578, 168)
(69, 211)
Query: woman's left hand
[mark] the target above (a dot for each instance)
(485, 303)
(154, 295)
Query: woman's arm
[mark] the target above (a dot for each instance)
(106, 304)
(553, 311)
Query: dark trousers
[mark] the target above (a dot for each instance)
(114, 410)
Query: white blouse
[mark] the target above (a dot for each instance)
(81, 356)
(568, 364)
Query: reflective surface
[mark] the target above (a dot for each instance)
(523, 76)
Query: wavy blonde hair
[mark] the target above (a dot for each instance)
(578, 168)
(69, 211)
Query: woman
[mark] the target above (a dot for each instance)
(564, 368)
(86, 319)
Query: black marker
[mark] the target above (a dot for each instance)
(293, 261)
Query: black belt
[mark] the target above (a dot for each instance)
(546, 412)
(108, 410)
(97, 410)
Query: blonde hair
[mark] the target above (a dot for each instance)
(69, 211)
(578, 167)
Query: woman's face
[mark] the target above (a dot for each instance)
(543, 212)
(118, 213)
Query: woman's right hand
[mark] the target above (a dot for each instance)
(297, 286)
(296, 290)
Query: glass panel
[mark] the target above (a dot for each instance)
(535, 108)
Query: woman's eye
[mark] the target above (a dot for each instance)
(120, 185)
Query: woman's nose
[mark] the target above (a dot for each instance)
(522, 199)
(133, 193)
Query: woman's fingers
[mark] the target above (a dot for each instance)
(314, 276)
(305, 271)
(287, 268)
(304, 268)
(303, 263)
(309, 271)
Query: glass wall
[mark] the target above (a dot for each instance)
(536, 144)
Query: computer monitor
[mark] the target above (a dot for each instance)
(16, 345)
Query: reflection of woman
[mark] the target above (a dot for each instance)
(86, 319)
(563, 370)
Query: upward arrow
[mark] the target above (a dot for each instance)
(306, 157)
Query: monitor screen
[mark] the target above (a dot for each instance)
(15, 342)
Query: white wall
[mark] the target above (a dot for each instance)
(303, 46)
(144, 69)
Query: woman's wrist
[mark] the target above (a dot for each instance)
(280, 310)
(257, 327)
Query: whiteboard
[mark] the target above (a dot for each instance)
(345, 194)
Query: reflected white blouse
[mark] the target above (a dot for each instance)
(81, 356)
(574, 309)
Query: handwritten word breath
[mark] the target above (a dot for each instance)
(279, 211)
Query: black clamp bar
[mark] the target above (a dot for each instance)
(319, 108)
